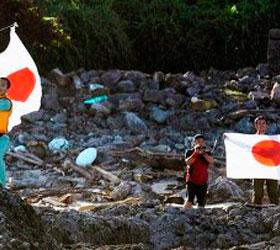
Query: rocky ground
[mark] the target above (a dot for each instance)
(129, 197)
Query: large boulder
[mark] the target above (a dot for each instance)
(135, 124)
(21, 227)
(222, 189)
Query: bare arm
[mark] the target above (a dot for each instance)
(190, 160)
(209, 158)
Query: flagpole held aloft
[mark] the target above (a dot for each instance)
(12, 26)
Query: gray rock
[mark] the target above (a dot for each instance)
(50, 102)
(158, 76)
(34, 116)
(251, 104)
(77, 82)
(135, 124)
(263, 70)
(126, 86)
(110, 78)
(121, 191)
(155, 96)
(158, 115)
(222, 189)
(59, 118)
(149, 84)
(245, 125)
(100, 108)
(135, 76)
(21, 227)
(131, 104)
(275, 93)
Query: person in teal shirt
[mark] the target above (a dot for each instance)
(5, 112)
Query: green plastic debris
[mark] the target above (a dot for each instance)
(97, 99)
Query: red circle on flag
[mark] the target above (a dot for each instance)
(267, 152)
(22, 84)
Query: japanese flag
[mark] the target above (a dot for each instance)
(252, 156)
(18, 66)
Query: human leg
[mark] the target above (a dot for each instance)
(272, 191)
(201, 195)
(258, 191)
(190, 195)
(4, 143)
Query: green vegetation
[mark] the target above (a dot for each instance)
(168, 35)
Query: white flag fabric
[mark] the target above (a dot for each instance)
(252, 156)
(18, 66)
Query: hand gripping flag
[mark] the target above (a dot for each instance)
(18, 66)
(252, 156)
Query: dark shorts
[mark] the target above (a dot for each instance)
(198, 191)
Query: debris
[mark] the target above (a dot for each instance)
(86, 157)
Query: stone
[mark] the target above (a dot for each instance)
(135, 124)
(160, 149)
(174, 100)
(158, 115)
(200, 105)
(155, 96)
(158, 77)
(34, 116)
(77, 82)
(193, 90)
(97, 89)
(100, 108)
(50, 102)
(59, 118)
(222, 189)
(86, 157)
(251, 104)
(58, 144)
(258, 95)
(126, 86)
(275, 93)
(244, 125)
(263, 69)
(21, 227)
(135, 76)
(111, 78)
(131, 104)
(149, 84)
(57, 76)
(121, 191)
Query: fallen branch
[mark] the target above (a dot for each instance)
(154, 159)
(79, 170)
(38, 195)
(38, 161)
(98, 206)
(107, 175)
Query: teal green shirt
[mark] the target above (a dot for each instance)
(5, 104)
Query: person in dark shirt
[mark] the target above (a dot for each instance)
(272, 185)
(197, 159)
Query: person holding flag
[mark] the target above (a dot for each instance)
(255, 156)
(272, 185)
(5, 112)
(20, 90)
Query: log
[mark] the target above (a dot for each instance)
(38, 161)
(97, 206)
(83, 172)
(107, 175)
(155, 159)
(38, 195)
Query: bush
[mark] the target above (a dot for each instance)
(169, 35)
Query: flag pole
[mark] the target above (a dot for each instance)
(14, 25)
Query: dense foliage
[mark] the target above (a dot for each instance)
(167, 35)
